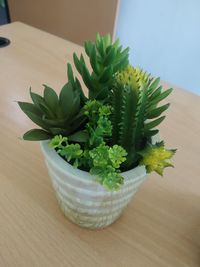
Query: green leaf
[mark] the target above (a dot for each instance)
(99, 155)
(28, 107)
(37, 99)
(98, 38)
(83, 98)
(106, 75)
(36, 135)
(37, 120)
(100, 46)
(77, 63)
(158, 111)
(117, 155)
(101, 94)
(162, 96)
(153, 85)
(76, 104)
(59, 113)
(150, 133)
(110, 57)
(77, 122)
(51, 98)
(119, 49)
(80, 137)
(120, 64)
(123, 54)
(57, 123)
(58, 141)
(116, 43)
(82, 60)
(46, 110)
(113, 181)
(153, 123)
(70, 74)
(72, 151)
(93, 61)
(156, 93)
(88, 47)
(33, 113)
(66, 99)
(106, 40)
(87, 78)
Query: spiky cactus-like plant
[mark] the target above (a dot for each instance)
(135, 98)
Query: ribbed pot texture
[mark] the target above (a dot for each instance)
(82, 199)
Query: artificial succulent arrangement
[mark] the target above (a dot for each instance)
(109, 130)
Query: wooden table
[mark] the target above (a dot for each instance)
(161, 226)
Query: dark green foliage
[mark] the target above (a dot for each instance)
(56, 115)
(36, 134)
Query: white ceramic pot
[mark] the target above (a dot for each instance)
(83, 200)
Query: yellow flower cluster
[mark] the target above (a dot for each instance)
(132, 77)
(156, 158)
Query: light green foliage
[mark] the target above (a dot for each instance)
(156, 157)
(106, 59)
(99, 155)
(117, 155)
(55, 115)
(102, 161)
(71, 152)
(57, 141)
(106, 162)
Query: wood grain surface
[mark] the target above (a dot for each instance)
(161, 226)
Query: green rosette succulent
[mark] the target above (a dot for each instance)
(54, 114)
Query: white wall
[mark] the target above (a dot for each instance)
(164, 37)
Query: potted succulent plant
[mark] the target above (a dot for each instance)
(99, 148)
